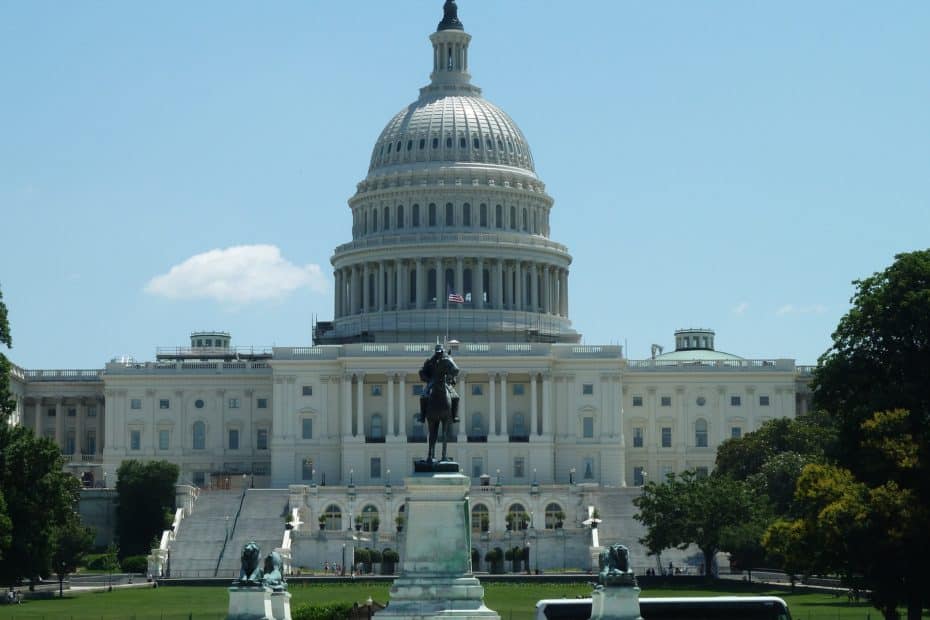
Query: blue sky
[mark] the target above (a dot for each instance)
(732, 165)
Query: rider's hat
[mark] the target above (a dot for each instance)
(438, 348)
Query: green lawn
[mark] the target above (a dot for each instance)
(511, 601)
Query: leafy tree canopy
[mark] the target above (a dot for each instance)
(7, 404)
(145, 503)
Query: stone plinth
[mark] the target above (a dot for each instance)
(250, 603)
(436, 579)
(615, 603)
(281, 605)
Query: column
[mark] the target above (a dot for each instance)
(79, 429)
(463, 417)
(379, 287)
(353, 296)
(519, 294)
(460, 277)
(534, 288)
(440, 284)
(492, 414)
(563, 292)
(533, 403)
(100, 426)
(547, 404)
(389, 432)
(366, 290)
(347, 405)
(360, 404)
(340, 302)
(400, 273)
(402, 401)
(477, 284)
(498, 302)
(508, 287)
(37, 428)
(421, 284)
(505, 430)
(546, 306)
(60, 422)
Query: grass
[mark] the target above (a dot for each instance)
(511, 601)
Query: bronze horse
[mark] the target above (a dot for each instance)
(439, 407)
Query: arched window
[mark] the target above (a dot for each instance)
(554, 516)
(365, 224)
(432, 214)
(513, 218)
(476, 142)
(517, 519)
(416, 216)
(535, 222)
(387, 218)
(525, 220)
(199, 435)
(449, 142)
(466, 214)
(377, 427)
(369, 519)
(477, 426)
(450, 214)
(700, 433)
(483, 215)
(462, 143)
(374, 220)
(333, 517)
(435, 143)
(480, 518)
(499, 216)
(400, 216)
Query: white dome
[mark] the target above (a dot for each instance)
(451, 128)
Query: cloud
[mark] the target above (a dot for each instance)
(240, 274)
(740, 309)
(788, 309)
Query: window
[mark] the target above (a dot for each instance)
(422, 143)
(233, 439)
(700, 433)
(483, 216)
(72, 412)
(164, 438)
(476, 389)
(701, 401)
(736, 432)
(554, 516)
(665, 401)
(518, 389)
(637, 437)
(587, 427)
(519, 467)
(306, 469)
(637, 401)
(764, 401)
(432, 214)
(435, 143)
(463, 143)
(135, 403)
(306, 428)
(476, 143)
(307, 390)
(477, 429)
(198, 403)
(376, 390)
(666, 471)
(333, 517)
(261, 403)
(92, 412)
(587, 389)
(477, 466)
(135, 440)
(517, 519)
(666, 436)
(164, 404)
(701, 472)
(234, 403)
(199, 435)
(261, 439)
(735, 401)
(480, 519)
(69, 443)
(513, 218)
(374, 467)
(400, 216)
(499, 217)
(449, 142)
(589, 468)
(466, 214)
(638, 478)
(51, 412)
(91, 444)
(369, 517)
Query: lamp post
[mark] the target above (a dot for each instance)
(368, 605)
(351, 476)
(389, 477)
(498, 477)
(343, 559)
(227, 527)
(571, 476)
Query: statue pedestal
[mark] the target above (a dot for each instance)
(615, 603)
(436, 579)
(250, 603)
(281, 605)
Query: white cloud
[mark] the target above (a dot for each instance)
(239, 274)
(792, 309)
(741, 309)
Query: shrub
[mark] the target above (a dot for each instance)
(95, 561)
(332, 611)
(135, 564)
(390, 555)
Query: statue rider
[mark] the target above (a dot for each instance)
(428, 374)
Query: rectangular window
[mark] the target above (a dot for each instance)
(588, 469)
(261, 439)
(736, 432)
(306, 469)
(587, 427)
(665, 401)
(260, 469)
(374, 467)
(666, 471)
(477, 466)
(306, 428)
(701, 472)
(51, 412)
(261, 403)
(476, 390)
(587, 389)
(638, 478)
(91, 443)
(764, 401)
(518, 389)
(233, 439)
(519, 467)
(69, 443)
(164, 404)
(233, 403)
(135, 403)
(135, 440)
(735, 401)
(307, 390)
(666, 436)
(163, 439)
(72, 412)
(92, 412)
(637, 401)
(376, 390)
(637, 437)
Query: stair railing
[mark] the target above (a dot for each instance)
(229, 532)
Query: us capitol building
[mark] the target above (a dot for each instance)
(549, 427)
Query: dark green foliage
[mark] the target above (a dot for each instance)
(72, 542)
(145, 496)
(134, 564)
(332, 611)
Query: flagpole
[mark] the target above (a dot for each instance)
(447, 316)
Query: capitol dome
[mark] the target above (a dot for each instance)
(450, 227)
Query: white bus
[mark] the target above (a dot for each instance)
(676, 608)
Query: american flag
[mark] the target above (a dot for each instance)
(455, 298)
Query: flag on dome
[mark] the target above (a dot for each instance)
(455, 298)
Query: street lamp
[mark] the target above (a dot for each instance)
(368, 605)
(351, 476)
(571, 476)
(343, 559)
(227, 527)
(498, 477)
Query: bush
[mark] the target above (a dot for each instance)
(333, 611)
(95, 561)
(390, 555)
(135, 564)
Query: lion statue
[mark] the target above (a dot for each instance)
(614, 563)
(273, 572)
(250, 573)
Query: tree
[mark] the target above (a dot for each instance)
(7, 404)
(872, 383)
(145, 503)
(72, 542)
(688, 509)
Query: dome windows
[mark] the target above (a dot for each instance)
(423, 143)
(450, 214)
(462, 143)
(416, 216)
(400, 216)
(449, 142)
(476, 143)
(409, 145)
(390, 146)
(432, 214)
(435, 143)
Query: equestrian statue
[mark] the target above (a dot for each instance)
(439, 403)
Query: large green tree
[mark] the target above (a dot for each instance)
(7, 404)
(72, 542)
(701, 510)
(145, 496)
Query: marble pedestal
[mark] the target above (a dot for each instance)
(250, 603)
(436, 579)
(615, 603)
(281, 605)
